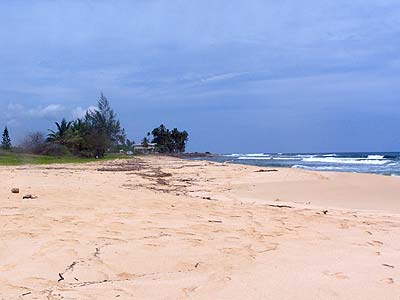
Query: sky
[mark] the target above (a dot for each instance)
(239, 76)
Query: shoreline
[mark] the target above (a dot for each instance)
(337, 195)
(283, 167)
(383, 163)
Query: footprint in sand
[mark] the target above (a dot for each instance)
(387, 281)
(375, 243)
(190, 290)
(125, 276)
(341, 275)
(338, 275)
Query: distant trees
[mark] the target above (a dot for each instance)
(169, 141)
(34, 142)
(129, 145)
(179, 139)
(99, 131)
(6, 140)
(145, 142)
(162, 137)
(104, 128)
(90, 136)
(62, 134)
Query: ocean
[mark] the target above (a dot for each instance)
(384, 163)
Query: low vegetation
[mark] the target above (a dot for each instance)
(14, 159)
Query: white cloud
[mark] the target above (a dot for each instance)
(49, 111)
(80, 112)
(16, 112)
(12, 114)
(221, 77)
(13, 107)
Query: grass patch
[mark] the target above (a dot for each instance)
(16, 159)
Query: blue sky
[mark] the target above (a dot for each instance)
(240, 76)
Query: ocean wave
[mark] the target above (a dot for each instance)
(256, 154)
(393, 164)
(300, 167)
(306, 155)
(254, 158)
(316, 168)
(375, 157)
(375, 163)
(352, 161)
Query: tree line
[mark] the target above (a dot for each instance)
(95, 134)
(169, 141)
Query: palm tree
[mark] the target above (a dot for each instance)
(129, 144)
(59, 136)
(145, 142)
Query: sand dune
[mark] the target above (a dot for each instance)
(164, 228)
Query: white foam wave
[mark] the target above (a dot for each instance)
(255, 158)
(376, 157)
(256, 154)
(315, 168)
(393, 164)
(353, 161)
(306, 155)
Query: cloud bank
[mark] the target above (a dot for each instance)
(240, 76)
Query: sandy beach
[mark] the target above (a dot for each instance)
(166, 228)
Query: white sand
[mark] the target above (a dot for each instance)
(141, 234)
